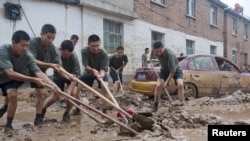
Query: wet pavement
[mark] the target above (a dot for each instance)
(172, 121)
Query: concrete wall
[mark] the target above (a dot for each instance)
(68, 20)
(127, 4)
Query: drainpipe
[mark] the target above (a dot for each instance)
(82, 35)
(225, 48)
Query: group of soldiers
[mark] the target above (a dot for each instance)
(26, 60)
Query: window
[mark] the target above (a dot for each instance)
(235, 26)
(245, 31)
(191, 8)
(189, 47)
(201, 63)
(213, 49)
(213, 15)
(156, 36)
(159, 1)
(245, 59)
(234, 56)
(112, 35)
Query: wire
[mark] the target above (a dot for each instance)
(26, 18)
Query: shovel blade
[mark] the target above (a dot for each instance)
(145, 122)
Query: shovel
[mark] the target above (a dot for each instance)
(95, 110)
(102, 97)
(165, 89)
(112, 98)
(98, 94)
(120, 82)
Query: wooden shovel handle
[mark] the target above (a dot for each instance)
(99, 95)
(95, 110)
(120, 83)
(165, 89)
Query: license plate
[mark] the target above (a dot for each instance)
(141, 76)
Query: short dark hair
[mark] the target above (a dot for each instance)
(20, 35)
(157, 44)
(74, 36)
(48, 28)
(146, 49)
(120, 48)
(93, 38)
(67, 45)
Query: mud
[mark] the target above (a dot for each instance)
(172, 121)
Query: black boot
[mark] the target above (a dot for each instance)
(3, 110)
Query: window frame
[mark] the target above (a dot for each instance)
(234, 26)
(213, 15)
(157, 33)
(192, 43)
(191, 8)
(234, 57)
(161, 2)
(245, 59)
(115, 34)
(212, 47)
(246, 30)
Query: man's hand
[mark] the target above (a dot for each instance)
(56, 90)
(39, 82)
(56, 67)
(165, 84)
(96, 73)
(117, 71)
(72, 77)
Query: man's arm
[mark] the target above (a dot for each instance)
(47, 80)
(20, 77)
(122, 66)
(168, 79)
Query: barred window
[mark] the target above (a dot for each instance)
(112, 35)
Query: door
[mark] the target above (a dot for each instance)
(204, 75)
(231, 79)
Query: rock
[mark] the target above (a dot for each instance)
(93, 131)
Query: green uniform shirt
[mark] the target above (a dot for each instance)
(49, 56)
(97, 61)
(144, 59)
(169, 61)
(71, 65)
(117, 62)
(22, 64)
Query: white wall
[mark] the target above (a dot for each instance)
(83, 21)
(66, 19)
(173, 39)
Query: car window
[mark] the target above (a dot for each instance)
(227, 66)
(204, 63)
(191, 65)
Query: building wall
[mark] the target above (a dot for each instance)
(171, 20)
(127, 4)
(237, 42)
(70, 19)
(84, 21)
(67, 21)
(173, 16)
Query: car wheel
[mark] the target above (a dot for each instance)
(191, 91)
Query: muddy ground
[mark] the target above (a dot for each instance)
(172, 121)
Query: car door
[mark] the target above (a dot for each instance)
(204, 75)
(231, 79)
